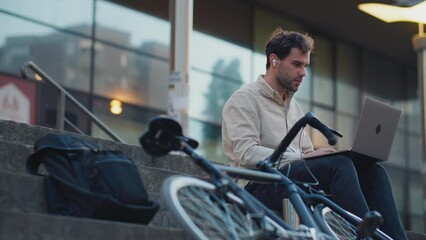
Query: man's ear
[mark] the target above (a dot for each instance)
(273, 59)
(272, 56)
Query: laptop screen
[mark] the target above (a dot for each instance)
(376, 129)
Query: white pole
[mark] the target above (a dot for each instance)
(181, 17)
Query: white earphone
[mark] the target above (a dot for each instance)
(274, 62)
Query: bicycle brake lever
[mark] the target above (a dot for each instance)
(335, 132)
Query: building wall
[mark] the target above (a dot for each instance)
(103, 50)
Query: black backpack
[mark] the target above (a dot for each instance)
(84, 181)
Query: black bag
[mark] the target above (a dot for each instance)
(84, 181)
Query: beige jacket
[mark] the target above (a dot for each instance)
(255, 120)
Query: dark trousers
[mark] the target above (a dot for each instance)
(355, 186)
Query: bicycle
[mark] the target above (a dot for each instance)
(220, 209)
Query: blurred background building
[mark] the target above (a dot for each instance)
(103, 50)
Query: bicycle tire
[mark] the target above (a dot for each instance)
(332, 223)
(204, 214)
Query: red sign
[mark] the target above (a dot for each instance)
(17, 100)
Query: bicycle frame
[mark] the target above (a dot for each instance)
(295, 192)
(171, 139)
(224, 182)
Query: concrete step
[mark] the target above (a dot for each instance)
(17, 140)
(415, 235)
(26, 193)
(13, 157)
(35, 226)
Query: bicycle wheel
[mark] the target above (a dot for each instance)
(204, 213)
(332, 223)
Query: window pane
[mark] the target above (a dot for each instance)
(73, 15)
(131, 77)
(382, 77)
(129, 125)
(208, 94)
(416, 203)
(397, 155)
(347, 81)
(259, 66)
(63, 57)
(322, 72)
(129, 28)
(304, 105)
(265, 23)
(415, 152)
(216, 56)
(412, 111)
(347, 126)
(325, 116)
(304, 91)
(210, 147)
(398, 188)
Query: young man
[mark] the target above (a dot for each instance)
(258, 116)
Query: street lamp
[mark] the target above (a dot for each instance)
(417, 14)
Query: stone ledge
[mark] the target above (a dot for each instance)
(33, 226)
(26, 193)
(415, 235)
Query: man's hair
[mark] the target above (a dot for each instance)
(281, 42)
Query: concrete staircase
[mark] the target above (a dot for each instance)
(23, 208)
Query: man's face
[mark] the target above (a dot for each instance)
(292, 69)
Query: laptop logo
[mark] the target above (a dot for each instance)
(378, 129)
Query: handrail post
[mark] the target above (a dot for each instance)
(62, 97)
(60, 111)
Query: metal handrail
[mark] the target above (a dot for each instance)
(62, 96)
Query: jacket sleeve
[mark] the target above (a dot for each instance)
(241, 133)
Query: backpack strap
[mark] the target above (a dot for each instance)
(78, 170)
(57, 203)
(32, 164)
(58, 141)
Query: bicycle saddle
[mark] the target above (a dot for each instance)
(163, 135)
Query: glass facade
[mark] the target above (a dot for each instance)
(101, 50)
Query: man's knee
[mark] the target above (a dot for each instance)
(379, 171)
(343, 162)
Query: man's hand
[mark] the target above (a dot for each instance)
(319, 152)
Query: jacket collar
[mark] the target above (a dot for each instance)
(268, 91)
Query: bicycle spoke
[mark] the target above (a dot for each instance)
(339, 226)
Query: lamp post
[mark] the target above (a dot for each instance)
(419, 44)
(415, 14)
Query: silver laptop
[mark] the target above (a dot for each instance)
(375, 132)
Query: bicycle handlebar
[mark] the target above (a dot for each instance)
(311, 120)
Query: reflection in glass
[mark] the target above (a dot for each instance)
(133, 28)
(416, 203)
(259, 66)
(131, 77)
(209, 148)
(347, 126)
(322, 66)
(326, 116)
(205, 102)
(382, 77)
(415, 152)
(65, 14)
(398, 187)
(62, 56)
(220, 89)
(207, 51)
(398, 154)
(347, 81)
(304, 91)
(303, 104)
(412, 111)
